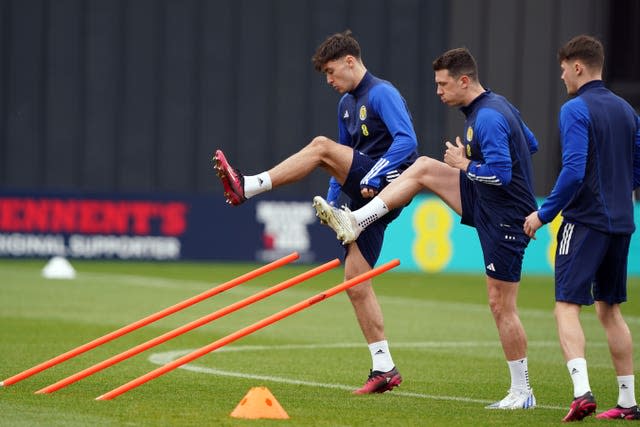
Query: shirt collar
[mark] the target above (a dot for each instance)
(467, 109)
(362, 86)
(590, 85)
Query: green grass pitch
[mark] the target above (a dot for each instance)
(441, 333)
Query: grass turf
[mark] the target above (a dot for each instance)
(442, 337)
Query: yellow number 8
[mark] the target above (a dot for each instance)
(432, 248)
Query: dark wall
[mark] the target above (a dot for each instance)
(135, 95)
(515, 44)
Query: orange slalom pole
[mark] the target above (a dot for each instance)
(150, 319)
(248, 330)
(189, 326)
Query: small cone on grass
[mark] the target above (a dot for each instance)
(58, 268)
(259, 403)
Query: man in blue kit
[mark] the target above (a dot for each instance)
(376, 142)
(600, 135)
(488, 181)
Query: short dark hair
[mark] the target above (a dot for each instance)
(334, 47)
(458, 62)
(585, 48)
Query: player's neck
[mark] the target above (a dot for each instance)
(588, 79)
(473, 92)
(359, 72)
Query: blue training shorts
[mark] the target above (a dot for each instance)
(591, 265)
(370, 240)
(503, 241)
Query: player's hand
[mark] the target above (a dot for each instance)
(531, 224)
(455, 155)
(368, 192)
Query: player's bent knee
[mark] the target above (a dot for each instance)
(321, 143)
(424, 168)
(423, 163)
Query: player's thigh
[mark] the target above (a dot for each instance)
(335, 158)
(579, 254)
(355, 262)
(441, 179)
(502, 249)
(610, 283)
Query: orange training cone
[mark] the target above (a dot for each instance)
(259, 403)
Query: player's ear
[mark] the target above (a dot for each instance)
(350, 60)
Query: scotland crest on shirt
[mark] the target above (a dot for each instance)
(469, 139)
(363, 112)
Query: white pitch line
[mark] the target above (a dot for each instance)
(170, 356)
(146, 281)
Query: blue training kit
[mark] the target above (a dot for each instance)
(600, 162)
(375, 122)
(600, 167)
(497, 189)
(500, 145)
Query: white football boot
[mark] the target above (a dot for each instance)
(516, 399)
(341, 221)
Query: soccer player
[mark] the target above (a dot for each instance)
(600, 135)
(487, 179)
(376, 142)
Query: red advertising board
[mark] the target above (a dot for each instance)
(159, 228)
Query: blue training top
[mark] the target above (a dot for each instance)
(375, 120)
(500, 145)
(600, 135)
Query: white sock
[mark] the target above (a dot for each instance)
(626, 391)
(256, 184)
(519, 374)
(578, 370)
(381, 356)
(370, 212)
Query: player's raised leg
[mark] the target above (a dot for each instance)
(321, 152)
(425, 174)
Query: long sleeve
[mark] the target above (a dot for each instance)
(531, 139)
(333, 192)
(493, 133)
(394, 113)
(636, 156)
(574, 132)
